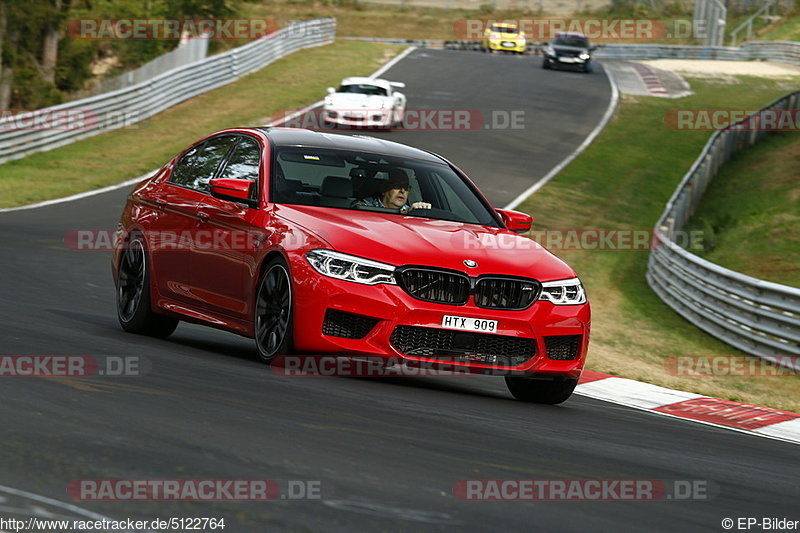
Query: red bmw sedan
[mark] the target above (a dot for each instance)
(318, 243)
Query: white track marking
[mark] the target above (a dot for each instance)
(612, 106)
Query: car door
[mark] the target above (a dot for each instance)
(172, 234)
(221, 267)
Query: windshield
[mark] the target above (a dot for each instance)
(375, 183)
(363, 88)
(578, 43)
(504, 29)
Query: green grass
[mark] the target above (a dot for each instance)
(622, 181)
(115, 156)
(785, 29)
(749, 215)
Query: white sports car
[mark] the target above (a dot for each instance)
(365, 102)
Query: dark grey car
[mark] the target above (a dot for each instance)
(568, 49)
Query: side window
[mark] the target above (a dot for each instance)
(182, 171)
(196, 168)
(244, 163)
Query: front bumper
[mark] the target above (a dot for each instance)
(567, 61)
(358, 117)
(507, 45)
(391, 307)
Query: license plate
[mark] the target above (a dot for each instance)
(463, 323)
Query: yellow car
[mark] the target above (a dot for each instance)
(504, 36)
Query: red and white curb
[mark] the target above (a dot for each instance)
(650, 79)
(753, 419)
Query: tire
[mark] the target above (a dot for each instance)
(273, 309)
(550, 391)
(134, 309)
(545, 64)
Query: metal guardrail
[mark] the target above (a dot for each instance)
(188, 51)
(756, 316)
(127, 106)
(783, 51)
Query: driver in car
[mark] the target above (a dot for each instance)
(394, 194)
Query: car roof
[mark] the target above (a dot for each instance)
(356, 80)
(571, 35)
(281, 137)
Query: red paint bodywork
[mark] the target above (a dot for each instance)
(217, 286)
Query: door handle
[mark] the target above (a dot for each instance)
(202, 216)
(160, 202)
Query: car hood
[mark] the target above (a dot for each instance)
(407, 240)
(356, 101)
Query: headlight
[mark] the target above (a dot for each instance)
(563, 292)
(548, 50)
(350, 268)
(584, 56)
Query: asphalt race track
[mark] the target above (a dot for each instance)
(386, 453)
(556, 109)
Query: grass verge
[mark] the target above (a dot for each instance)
(622, 181)
(118, 155)
(749, 215)
(787, 28)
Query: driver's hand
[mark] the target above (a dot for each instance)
(420, 205)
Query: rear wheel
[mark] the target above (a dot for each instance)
(133, 294)
(274, 322)
(547, 391)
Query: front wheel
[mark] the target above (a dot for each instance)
(133, 294)
(547, 391)
(274, 324)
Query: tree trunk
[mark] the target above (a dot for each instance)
(50, 45)
(6, 74)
